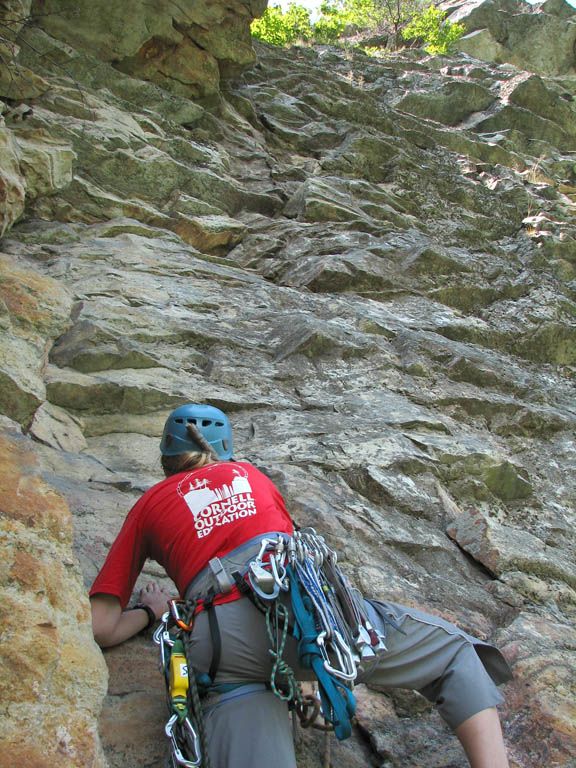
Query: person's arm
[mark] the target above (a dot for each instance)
(111, 625)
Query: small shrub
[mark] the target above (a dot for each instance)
(332, 23)
(280, 28)
(439, 35)
(374, 51)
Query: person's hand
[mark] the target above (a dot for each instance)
(156, 597)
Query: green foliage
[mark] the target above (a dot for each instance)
(438, 34)
(298, 18)
(338, 17)
(332, 23)
(364, 14)
(281, 28)
(374, 51)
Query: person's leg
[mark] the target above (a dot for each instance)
(481, 737)
(250, 730)
(248, 727)
(440, 661)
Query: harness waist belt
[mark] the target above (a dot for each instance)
(217, 575)
(216, 699)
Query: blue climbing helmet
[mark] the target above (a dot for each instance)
(212, 424)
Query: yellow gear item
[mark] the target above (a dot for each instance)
(178, 679)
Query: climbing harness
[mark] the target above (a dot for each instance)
(296, 582)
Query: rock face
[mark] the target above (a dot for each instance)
(182, 47)
(53, 676)
(539, 39)
(370, 264)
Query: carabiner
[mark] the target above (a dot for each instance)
(346, 657)
(180, 759)
(343, 654)
(378, 640)
(161, 628)
(265, 543)
(174, 603)
(279, 573)
(291, 547)
(163, 638)
(363, 643)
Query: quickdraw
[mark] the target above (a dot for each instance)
(331, 622)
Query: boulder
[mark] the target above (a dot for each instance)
(541, 651)
(551, 103)
(538, 38)
(45, 164)
(480, 44)
(56, 427)
(450, 104)
(503, 548)
(12, 184)
(31, 164)
(16, 81)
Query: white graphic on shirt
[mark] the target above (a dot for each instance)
(213, 506)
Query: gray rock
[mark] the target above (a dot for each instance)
(480, 44)
(501, 548)
(552, 104)
(538, 38)
(530, 124)
(56, 427)
(450, 104)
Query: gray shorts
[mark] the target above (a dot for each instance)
(251, 728)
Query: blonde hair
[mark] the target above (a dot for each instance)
(190, 460)
(186, 462)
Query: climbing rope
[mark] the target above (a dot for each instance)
(290, 688)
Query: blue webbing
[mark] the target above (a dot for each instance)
(338, 703)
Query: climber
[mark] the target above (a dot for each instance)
(209, 505)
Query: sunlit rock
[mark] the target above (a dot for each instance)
(57, 664)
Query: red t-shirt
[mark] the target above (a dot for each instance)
(189, 518)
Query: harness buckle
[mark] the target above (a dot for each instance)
(221, 575)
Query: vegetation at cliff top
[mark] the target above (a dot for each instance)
(403, 19)
(438, 34)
